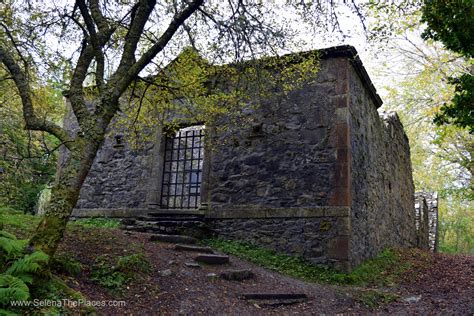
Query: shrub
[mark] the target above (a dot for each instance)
(131, 263)
(107, 275)
(17, 269)
(114, 277)
(66, 265)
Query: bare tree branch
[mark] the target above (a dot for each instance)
(146, 58)
(94, 39)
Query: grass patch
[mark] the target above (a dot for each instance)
(115, 276)
(99, 222)
(373, 298)
(383, 270)
(16, 222)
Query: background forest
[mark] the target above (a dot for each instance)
(412, 70)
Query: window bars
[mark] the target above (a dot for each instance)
(182, 173)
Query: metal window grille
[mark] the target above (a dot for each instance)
(182, 173)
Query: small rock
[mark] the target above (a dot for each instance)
(211, 275)
(165, 273)
(171, 262)
(412, 299)
(192, 264)
(237, 275)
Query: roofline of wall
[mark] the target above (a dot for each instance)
(351, 53)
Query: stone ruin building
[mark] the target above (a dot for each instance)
(426, 220)
(321, 175)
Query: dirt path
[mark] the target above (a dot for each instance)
(194, 291)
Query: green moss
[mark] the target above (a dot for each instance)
(97, 222)
(383, 270)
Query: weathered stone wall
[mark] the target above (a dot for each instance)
(430, 232)
(286, 157)
(421, 222)
(118, 177)
(382, 188)
(312, 233)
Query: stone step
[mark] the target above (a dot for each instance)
(171, 223)
(135, 228)
(176, 214)
(152, 229)
(168, 218)
(273, 299)
(236, 275)
(212, 259)
(128, 221)
(176, 239)
(193, 248)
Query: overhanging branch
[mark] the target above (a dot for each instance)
(147, 57)
(32, 122)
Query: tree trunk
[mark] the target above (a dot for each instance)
(64, 195)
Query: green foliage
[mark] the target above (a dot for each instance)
(29, 265)
(460, 111)
(27, 158)
(99, 222)
(450, 22)
(66, 264)
(382, 270)
(114, 277)
(132, 263)
(373, 298)
(12, 289)
(17, 222)
(107, 275)
(17, 269)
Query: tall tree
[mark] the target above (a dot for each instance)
(452, 23)
(116, 41)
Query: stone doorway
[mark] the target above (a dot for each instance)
(182, 169)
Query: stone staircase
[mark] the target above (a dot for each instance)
(169, 223)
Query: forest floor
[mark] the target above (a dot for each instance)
(435, 283)
(160, 282)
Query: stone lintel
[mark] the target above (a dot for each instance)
(281, 212)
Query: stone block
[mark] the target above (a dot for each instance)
(237, 275)
(344, 226)
(212, 259)
(338, 248)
